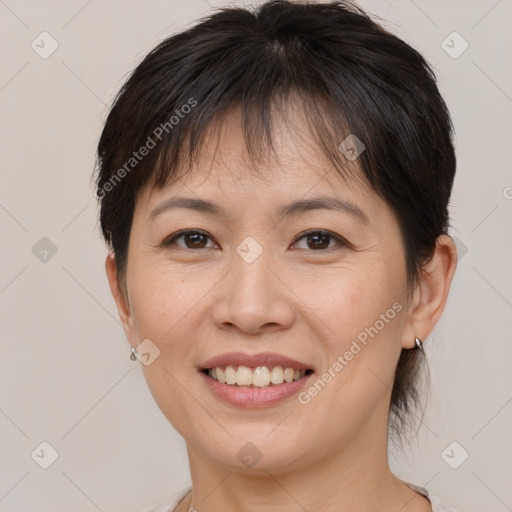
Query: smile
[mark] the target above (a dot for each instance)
(254, 380)
(259, 377)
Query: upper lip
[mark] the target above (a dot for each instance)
(267, 359)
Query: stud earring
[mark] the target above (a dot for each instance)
(133, 355)
(418, 344)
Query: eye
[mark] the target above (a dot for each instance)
(316, 240)
(192, 238)
(319, 240)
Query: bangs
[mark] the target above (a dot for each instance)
(304, 121)
(175, 118)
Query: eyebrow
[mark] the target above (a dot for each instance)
(295, 208)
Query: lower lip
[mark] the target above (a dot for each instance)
(254, 397)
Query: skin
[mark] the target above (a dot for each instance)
(306, 303)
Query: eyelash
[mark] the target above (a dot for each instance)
(340, 241)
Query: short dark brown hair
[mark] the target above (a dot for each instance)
(350, 75)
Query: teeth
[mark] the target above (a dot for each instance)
(277, 375)
(259, 377)
(230, 375)
(244, 376)
(289, 374)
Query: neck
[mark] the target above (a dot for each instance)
(354, 477)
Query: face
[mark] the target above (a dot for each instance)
(293, 267)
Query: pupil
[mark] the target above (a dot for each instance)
(195, 239)
(319, 241)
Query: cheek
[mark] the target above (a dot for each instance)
(347, 301)
(168, 309)
(165, 302)
(363, 312)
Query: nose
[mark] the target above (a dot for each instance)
(253, 298)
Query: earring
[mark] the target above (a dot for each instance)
(133, 355)
(418, 343)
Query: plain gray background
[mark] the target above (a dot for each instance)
(66, 376)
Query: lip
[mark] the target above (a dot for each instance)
(254, 397)
(267, 359)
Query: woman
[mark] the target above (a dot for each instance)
(274, 189)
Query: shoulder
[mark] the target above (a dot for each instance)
(437, 504)
(170, 503)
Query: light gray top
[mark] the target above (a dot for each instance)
(170, 503)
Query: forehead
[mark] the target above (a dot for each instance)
(293, 165)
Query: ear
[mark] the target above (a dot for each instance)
(121, 298)
(430, 294)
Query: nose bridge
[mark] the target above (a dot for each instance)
(251, 276)
(251, 288)
(252, 296)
